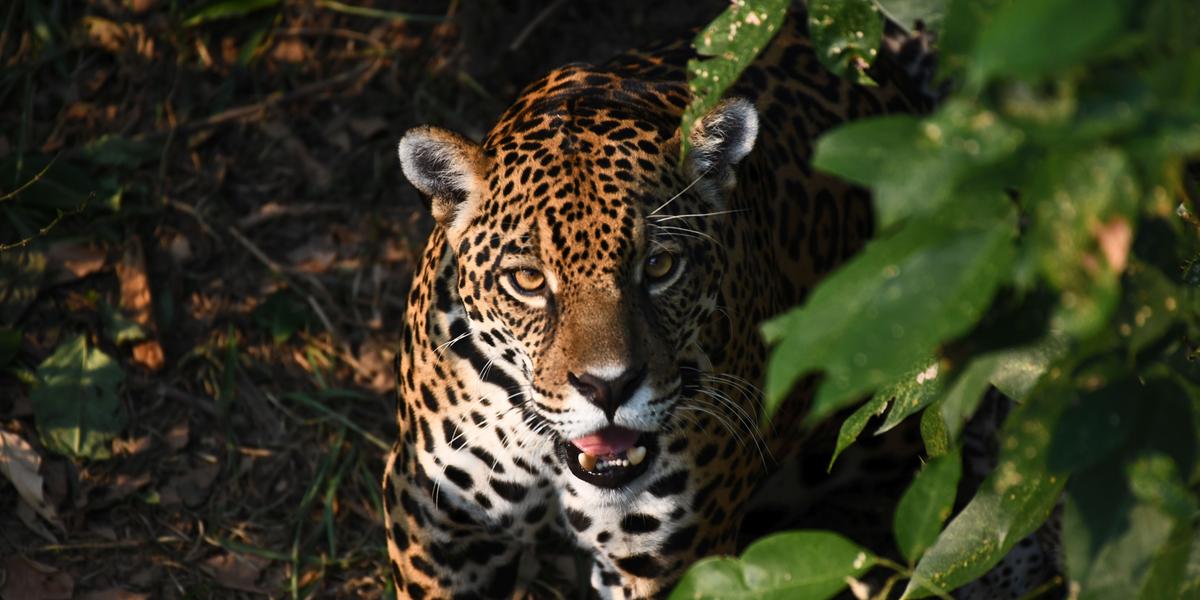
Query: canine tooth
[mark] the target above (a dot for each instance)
(636, 455)
(587, 461)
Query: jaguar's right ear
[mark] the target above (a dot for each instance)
(446, 167)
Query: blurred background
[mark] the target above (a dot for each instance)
(205, 248)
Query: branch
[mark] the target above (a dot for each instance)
(43, 231)
(36, 178)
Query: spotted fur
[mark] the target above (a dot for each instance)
(580, 180)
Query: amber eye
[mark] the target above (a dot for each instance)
(527, 281)
(659, 265)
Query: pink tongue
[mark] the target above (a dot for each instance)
(610, 440)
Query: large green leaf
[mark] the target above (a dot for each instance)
(846, 34)
(896, 300)
(859, 150)
(906, 13)
(1116, 545)
(912, 166)
(1129, 495)
(926, 505)
(1168, 573)
(964, 21)
(75, 402)
(1081, 199)
(1012, 502)
(1014, 371)
(1190, 587)
(797, 565)
(1031, 38)
(731, 42)
(1120, 567)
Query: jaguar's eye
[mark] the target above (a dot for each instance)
(527, 281)
(659, 266)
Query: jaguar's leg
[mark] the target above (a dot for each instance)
(439, 547)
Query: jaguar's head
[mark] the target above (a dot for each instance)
(589, 255)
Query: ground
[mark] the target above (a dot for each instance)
(231, 186)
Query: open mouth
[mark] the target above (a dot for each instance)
(611, 457)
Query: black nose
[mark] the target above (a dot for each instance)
(608, 394)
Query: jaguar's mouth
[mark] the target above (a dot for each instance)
(611, 457)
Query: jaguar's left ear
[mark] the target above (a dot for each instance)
(722, 138)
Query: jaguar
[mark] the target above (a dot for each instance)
(579, 369)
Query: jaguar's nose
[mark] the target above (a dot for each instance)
(608, 394)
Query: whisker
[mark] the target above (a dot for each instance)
(707, 214)
(438, 350)
(681, 192)
(686, 231)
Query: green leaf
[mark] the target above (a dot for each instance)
(1014, 371)
(1119, 569)
(1113, 542)
(960, 29)
(934, 433)
(225, 9)
(1095, 425)
(1154, 479)
(859, 150)
(119, 328)
(897, 299)
(913, 391)
(846, 34)
(1129, 441)
(1150, 306)
(926, 505)
(75, 401)
(797, 565)
(906, 13)
(1018, 370)
(117, 151)
(1167, 575)
(1010, 504)
(732, 41)
(1075, 197)
(1031, 38)
(1191, 578)
(914, 167)
(853, 426)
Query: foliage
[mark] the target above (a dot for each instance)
(800, 565)
(75, 400)
(730, 42)
(1037, 233)
(847, 32)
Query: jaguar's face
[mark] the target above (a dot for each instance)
(588, 260)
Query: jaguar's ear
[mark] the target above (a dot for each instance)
(446, 167)
(722, 138)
